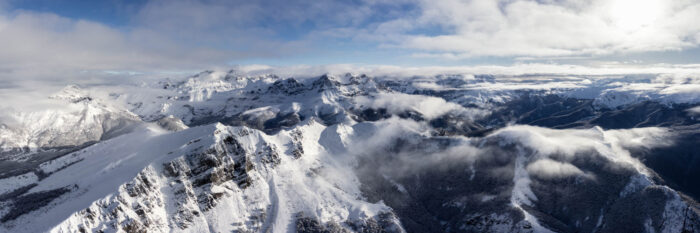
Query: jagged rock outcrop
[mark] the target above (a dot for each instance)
(228, 152)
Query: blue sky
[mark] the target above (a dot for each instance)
(48, 37)
(109, 12)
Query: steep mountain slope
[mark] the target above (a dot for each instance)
(224, 151)
(82, 119)
(28, 139)
(204, 178)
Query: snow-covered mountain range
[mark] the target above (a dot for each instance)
(225, 151)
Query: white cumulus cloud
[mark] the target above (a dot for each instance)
(430, 107)
(547, 168)
(547, 28)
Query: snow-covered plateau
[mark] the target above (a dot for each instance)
(227, 151)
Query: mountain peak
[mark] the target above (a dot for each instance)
(288, 86)
(73, 94)
(325, 82)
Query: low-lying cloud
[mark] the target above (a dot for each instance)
(547, 168)
(568, 144)
(550, 153)
(429, 106)
(694, 111)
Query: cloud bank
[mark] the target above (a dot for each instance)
(430, 107)
(547, 168)
(187, 35)
(552, 28)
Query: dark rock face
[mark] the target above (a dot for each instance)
(296, 147)
(237, 163)
(310, 225)
(558, 112)
(362, 79)
(627, 214)
(678, 164)
(444, 198)
(268, 155)
(289, 86)
(324, 83)
(450, 124)
(192, 177)
(644, 114)
(133, 227)
(370, 114)
(477, 196)
(383, 223)
(551, 111)
(281, 121)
